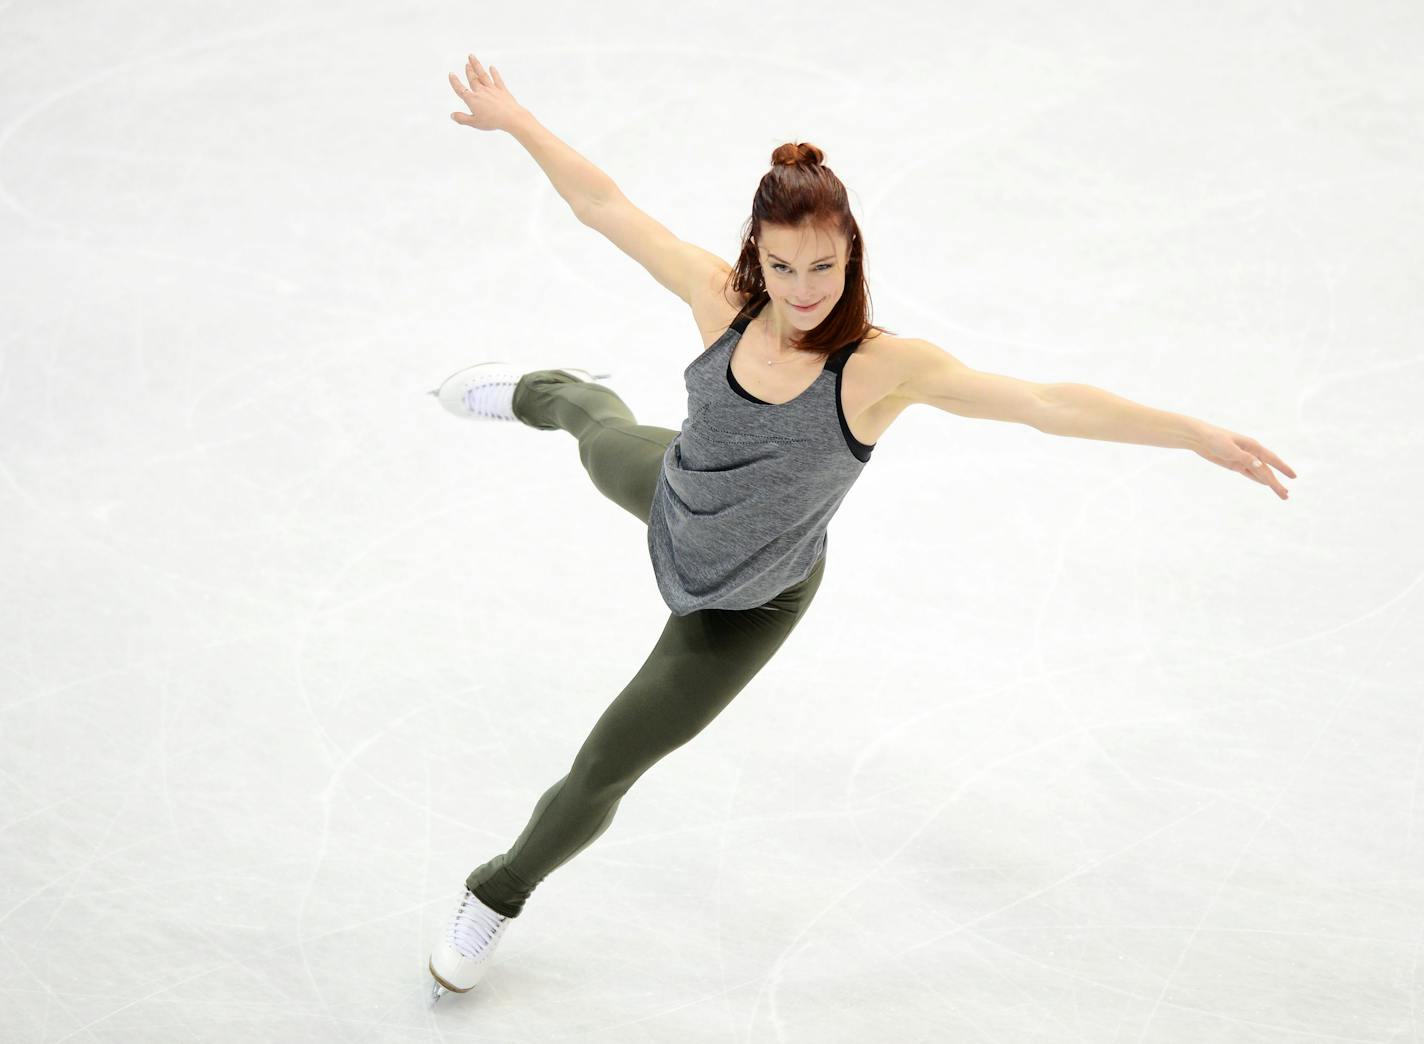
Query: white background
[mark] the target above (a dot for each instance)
(1080, 742)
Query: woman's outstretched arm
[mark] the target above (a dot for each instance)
(592, 195)
(493, 107)
(933, 376)
(1087, 412)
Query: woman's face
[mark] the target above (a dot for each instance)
(803, 265)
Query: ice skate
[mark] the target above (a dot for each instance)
(485, 391)
(461, 957)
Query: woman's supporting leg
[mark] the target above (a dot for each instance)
(622, 456)
(701, 661)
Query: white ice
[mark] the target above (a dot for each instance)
(1081, 741)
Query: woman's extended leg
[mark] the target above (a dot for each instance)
(622, 456)
(701, 661)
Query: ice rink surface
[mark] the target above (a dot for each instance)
(1082, 741)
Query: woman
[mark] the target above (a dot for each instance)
(786, 402)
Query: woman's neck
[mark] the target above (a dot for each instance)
(776, 335)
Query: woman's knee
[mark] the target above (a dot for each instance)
(605, 775)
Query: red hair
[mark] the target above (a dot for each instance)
(799, 189)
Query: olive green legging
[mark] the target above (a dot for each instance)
(699, 663)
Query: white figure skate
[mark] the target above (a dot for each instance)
(461, 957)
(485, 391)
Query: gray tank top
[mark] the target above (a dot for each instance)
(747, 488)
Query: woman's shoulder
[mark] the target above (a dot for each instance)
(716, 306)
(734, 301)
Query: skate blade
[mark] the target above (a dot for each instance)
(438, 988)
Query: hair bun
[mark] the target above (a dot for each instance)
(797, 154)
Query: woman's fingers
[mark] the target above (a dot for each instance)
(492, 106)
(1260, 464)
(1257, 470)
(1266, 455)
(1279, 464)
(479, 70)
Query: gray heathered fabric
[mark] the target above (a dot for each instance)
(747, 489)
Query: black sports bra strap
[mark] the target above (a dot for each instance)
(838, 358)
(748, 312)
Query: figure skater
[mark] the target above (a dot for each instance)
(786, 401)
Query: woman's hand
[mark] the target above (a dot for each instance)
(1243, 454)
(491, 105)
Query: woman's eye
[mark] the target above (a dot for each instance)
(778, 266)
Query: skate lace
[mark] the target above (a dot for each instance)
(489, 399)
(473, 926)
